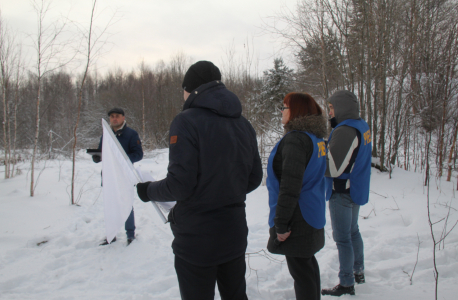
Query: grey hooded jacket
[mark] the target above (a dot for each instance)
(344, 145)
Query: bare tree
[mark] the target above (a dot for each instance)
(452, 149)
(7, 63)
(143, 72)
(19, 69)
(94, 46)
(399, 57)
(49, 48)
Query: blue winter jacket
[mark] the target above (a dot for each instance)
(130, 142)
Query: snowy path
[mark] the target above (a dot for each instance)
(71, 265)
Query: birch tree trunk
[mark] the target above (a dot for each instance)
(450, 156)
(80, 100)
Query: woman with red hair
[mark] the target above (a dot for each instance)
(296, 185)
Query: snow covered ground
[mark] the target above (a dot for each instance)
(49, 249)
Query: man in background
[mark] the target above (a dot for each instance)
(130, 142)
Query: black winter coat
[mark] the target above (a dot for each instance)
(289, 165)
(213, 163)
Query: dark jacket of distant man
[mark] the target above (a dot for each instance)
(130, 142)
(213, 163)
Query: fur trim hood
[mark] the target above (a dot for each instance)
(313, 124)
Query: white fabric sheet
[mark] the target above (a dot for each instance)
(119, 182)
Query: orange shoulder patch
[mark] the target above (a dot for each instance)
(173, 139)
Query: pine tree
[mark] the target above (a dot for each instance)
(278, 82)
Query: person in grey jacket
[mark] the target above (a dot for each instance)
(295, 180)
(348, 177)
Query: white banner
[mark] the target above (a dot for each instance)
(118, 183)
(118, 179)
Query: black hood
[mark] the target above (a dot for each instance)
(215, 97)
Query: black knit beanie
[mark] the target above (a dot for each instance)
(200, 73)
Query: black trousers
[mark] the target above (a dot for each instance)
(306, 275)
(198, 283)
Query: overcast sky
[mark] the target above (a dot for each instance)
(156, 30)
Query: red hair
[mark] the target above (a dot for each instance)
(301, 104)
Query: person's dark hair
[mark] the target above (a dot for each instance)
(301, 104)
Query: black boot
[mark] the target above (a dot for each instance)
(130, 240)
(106, 242)
(359, 278)
(339, 290)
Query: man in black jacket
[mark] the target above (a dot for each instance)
(213, 163)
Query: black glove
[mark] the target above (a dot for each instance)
(142, 191)
(96, 158)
